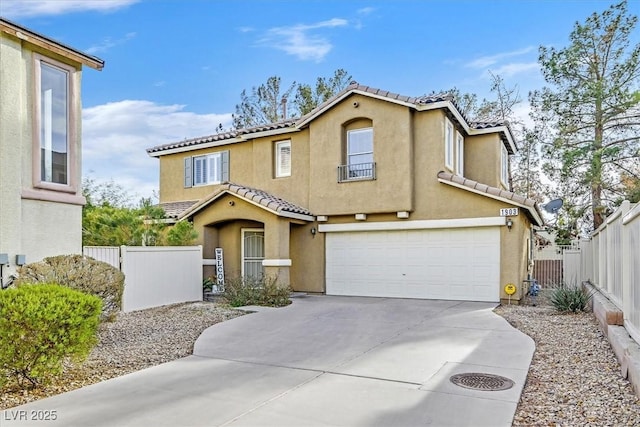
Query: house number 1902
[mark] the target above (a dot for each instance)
(509, 212)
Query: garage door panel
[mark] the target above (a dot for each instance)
(458, 264)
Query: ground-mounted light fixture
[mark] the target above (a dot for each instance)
(509, 223)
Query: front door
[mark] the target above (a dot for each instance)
(252, 252)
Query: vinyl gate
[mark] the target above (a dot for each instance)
(154, 275)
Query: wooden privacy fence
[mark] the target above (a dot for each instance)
(610, 260)
(154, 275)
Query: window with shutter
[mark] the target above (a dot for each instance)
(205, 170)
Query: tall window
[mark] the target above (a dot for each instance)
(459, 154)
(504, 167)
(54, 124)
(448, 144)
(360, 152)
(207, 169)
(283, 159)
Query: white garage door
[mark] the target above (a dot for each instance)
(452, 264)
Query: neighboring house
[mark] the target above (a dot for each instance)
(40, 113)
(372, 193)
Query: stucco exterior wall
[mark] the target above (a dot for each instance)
(30, 225)
(409, 151)
(392, 153)
(484, 152)
(12, 136)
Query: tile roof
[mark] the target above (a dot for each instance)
(295, 123)
(172, 210)
(494, 192)
(269, 201)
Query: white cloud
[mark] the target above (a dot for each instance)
(365, 10)
(116, 135)
(488, 61)
(26, 8)
(108, 43)
(508, 70)
(300, 41)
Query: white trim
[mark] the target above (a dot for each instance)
(276, 263)
(361, 217)
(414, 225)
(459, 154)
(504, 166)
(403, 214)
(449, 130)
(322, 218)
(529, 209)
(279, 145)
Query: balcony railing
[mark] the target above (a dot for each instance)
(357, 172)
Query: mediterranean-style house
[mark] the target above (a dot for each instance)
(371, 194)
(40, 146)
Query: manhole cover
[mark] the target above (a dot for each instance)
(485, 382)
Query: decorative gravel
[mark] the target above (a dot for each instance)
(574, 379)
(134, 341)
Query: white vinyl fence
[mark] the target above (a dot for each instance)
(108, 254)
(155, 275)
(611, 261)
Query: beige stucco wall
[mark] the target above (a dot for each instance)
(485, 154)
(31, 227)
(409, 152)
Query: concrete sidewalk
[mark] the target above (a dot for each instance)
(326, 361)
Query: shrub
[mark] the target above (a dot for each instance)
(569, 298)
(80, 273)
(42, 324)
(248, 291)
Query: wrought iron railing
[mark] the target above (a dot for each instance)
(357, 172)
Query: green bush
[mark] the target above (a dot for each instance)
(81, 273)
(42, 324)
(569, 298)
(248, 291)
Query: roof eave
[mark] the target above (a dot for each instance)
(51, 45)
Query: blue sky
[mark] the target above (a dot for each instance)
(175, 68)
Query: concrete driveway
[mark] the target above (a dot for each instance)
(322, 361)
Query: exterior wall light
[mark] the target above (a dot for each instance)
(509, 223)
(231, 203)
(313, 231)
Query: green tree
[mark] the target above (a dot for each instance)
(308, 98)
(181, 234)
(263, 105)
(267, 103)
(592, 110)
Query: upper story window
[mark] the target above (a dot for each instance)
(359, 156)
(504, 167)
(55, 122)
(459, 154)
(283, 159)
(448, 144)
(206, 169)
